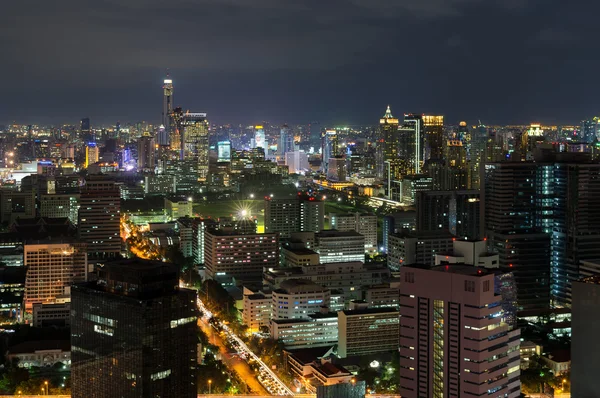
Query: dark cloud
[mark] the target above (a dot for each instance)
(297, 61)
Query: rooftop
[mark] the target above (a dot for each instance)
(40, 345)
(369, 311)
(334, 233)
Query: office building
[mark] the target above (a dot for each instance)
(259, 137)
(339, 247)
(52, 267)
(454, 341)
(455, 174)
(410, 151)
(388, 145)
(199, 228)
(385, 295)
(294, 214)
(337, 170)
(178, 207)
(146, 152)
(297, 162)
(60, 206)
(575, 231)
(286, 141)
(240, 256)
(316, 330)
(330, 149)
(348, 279)
(416, 248)
(195, 131)
(281, 215)
(367, 331)
(584, 339)
(363, 223)
(258, 309)
(99, 217)
(92, 154)
(434, 137)
(134, 333)
(51, 315)
(397, 222)
(298, 256)
(457, 212)
(16, 205)
(477, 155)
(160, 184)
(469, 252)
(12, 280)
(298, 298)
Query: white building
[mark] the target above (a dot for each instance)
(298, 298)
(318, 330)
(297, 162)
(338, 247)
(257, 311)
(469, 252)
(406, 249)
(52, 267)
(177, 208)
(41, 353)
(363, 223)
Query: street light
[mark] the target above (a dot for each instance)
(46, 384)
(562, 384)
(209, 386)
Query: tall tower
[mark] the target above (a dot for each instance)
(194, 130)
(167, 103)
(388, 144)
(434, 136)
(411, 145)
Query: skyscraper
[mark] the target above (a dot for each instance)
(167, 106)
(330, 148)
(457, 212)
(146, 152)
(91, 154)
(134, 333)
(576, 227)
(410, 151)
(195, 130)
(454, 340)
(388, 144)
(99, 216)
(434, 136)
(455, 173)
(259, 137)
(286, 140)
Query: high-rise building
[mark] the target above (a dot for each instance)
(146, 152)
(514, 222)
(99, 216)
(434, 136)
(406, 248)
(92, 154)
(575, 231)
(330, 149)
(363, 223)
(455, 173)
(241, 256)
(60, 206)
(286, 141)
(134, 333)
(195, 131)
(397, 222)
(367, 331)
(388, 145)
(454, 340)
(52, 267)
(410, 151)
(85, 127)
(585, 345)
(297, 162)
(167, 109)
(476, 155)
(337, 169)
(259, 137)
(297, 214)
(307, 297)
(457, 212)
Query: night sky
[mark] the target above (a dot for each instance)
(297, 61)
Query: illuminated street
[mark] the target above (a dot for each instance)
(268, 378)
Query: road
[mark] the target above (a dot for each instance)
(266, 376)
(233, 362)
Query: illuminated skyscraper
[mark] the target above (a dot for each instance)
(194, 128)
(410, 151)
(259, 137)
(434, 136)
(146, 151)
(91, 154)
(455, 172)
(167, 104)
(286, 141)
(387, 146)
(330, 148)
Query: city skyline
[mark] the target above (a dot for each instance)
(297, 63)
